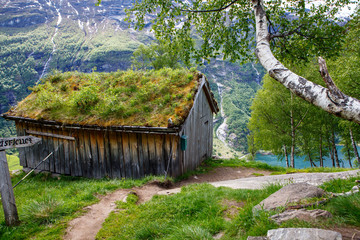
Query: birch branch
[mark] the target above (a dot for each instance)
(346, 107)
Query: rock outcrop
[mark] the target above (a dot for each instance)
(301, 214)
(292, 193)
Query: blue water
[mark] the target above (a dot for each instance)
(299, 161)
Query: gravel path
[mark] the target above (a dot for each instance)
(259, 182)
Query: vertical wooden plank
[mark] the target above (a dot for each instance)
(34, 149)
(95, 155)
(188, 152)
(61, 152)
(101, 151)
(167, 157)
(145, 154)
(40, 147)
(72, 158)
(109, 168)
(135, 166)
(75, 146)
(29, 153)
(80, 146)
(152, 154)
(21, 132)
(44, 151)
(114, 155)
(197, 126)
(121, 154)
(88, 160)
(127, 155)
(67, 159)
(159, 141)
(176, 168)
(139, 137)
(51, 148)
(57, 162)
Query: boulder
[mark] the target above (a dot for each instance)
(291, 193)
(302, 234)
(301, 214)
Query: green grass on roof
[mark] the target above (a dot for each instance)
(130, 98)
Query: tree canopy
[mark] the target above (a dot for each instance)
(292, 30)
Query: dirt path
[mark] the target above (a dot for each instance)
(87, 226)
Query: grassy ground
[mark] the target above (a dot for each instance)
(13, 162)
(47, 204)
(202, 211)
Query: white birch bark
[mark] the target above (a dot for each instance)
(328, 99)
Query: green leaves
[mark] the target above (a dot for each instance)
(299, 29)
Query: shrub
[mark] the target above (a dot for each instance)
(85, 99)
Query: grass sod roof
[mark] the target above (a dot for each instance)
(122, 98)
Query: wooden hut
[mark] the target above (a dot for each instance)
(95, 127)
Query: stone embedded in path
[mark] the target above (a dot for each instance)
(301, 214)
(291, 193)
(302, 234)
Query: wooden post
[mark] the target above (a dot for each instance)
(7, 193)
(6, 189)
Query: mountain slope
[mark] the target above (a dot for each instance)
(38, 36)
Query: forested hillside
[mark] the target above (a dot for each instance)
(37, 37)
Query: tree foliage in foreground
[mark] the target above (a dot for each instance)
(315, 137)
(288, 29)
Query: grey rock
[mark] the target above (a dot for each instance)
(355, 189)
(302, 234)
(291, 193)
(301, 214)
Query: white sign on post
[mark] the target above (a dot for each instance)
(6, 189)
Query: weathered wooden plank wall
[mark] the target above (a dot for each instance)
(198, 127)
(100, 153)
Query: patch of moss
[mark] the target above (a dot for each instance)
(135, 98)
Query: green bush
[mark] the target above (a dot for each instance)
(85, 99)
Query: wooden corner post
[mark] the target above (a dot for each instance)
(6, 189)
(7, 193)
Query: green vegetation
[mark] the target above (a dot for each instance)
(13, 162)
(46, 204)
(159, 55)
(287, 125)
(196, 213)
(119, 98)
(200, 210)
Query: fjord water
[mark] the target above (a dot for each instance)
(301, 163)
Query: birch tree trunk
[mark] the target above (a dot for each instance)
(331, 153)
(354, 146)
(334, 149)
(292, 158)
(286, 156)
(320, 153)
(330, 99)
